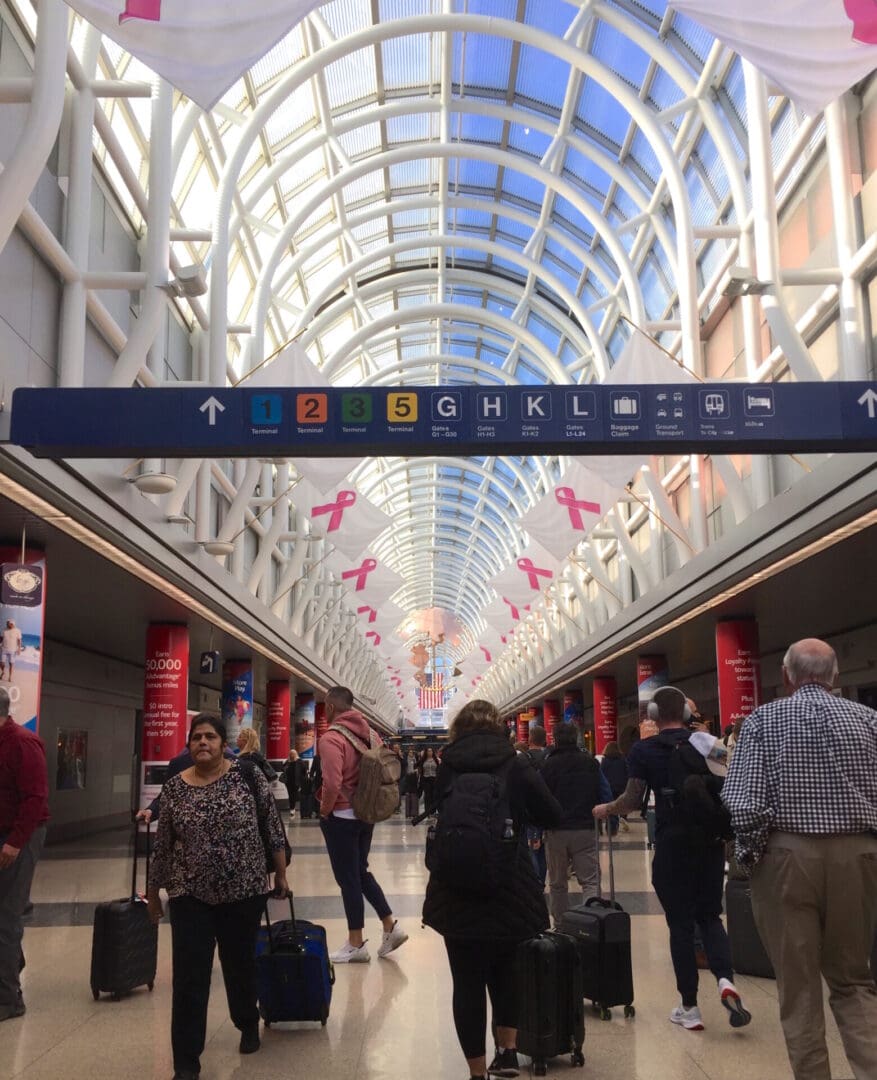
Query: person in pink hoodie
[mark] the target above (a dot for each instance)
(348, 839)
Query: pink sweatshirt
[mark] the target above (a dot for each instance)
(340, 762)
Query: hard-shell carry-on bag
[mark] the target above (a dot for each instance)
(294, 976)
(551, 1013)
(124, 947)
(748, 955)
(601, 929)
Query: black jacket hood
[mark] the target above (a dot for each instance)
(478, 751)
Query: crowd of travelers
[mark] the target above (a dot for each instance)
(787, 797)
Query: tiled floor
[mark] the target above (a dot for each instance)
(390, 1018)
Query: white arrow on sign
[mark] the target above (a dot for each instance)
(869, 399)
(212, 406)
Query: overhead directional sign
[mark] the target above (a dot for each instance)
(412, 421)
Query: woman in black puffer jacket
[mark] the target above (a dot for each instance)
(482, 931)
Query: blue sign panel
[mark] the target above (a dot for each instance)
(411, 421)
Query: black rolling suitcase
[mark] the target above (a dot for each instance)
(748, 955)
(294, 975)
(551, 1015)
(124, 946)
(601, 928)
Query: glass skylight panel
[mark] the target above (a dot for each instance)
(522, 186)
(644, 156)
(690, 41)
(541, 76)
(620, 54)
(482, 62)
(364, 189)
(407, 62)
(413, 127)
(287, 52)
(570, 218)
(477, 128)
(344, 17)
(530, 141)
(599, 112)
(362, 141)
(414, 174)
(353, 78)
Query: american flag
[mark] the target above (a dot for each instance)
(433, 694)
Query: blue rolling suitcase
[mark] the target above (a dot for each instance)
(294, 976)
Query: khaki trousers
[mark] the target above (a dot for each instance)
(565, 846)
(815, 905)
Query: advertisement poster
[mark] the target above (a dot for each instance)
(738, 664)
(574, 708)
(237, 697)
(651, 674)
(165, 694)
(320, 721)
(22, 613)
(304, 718)
(605, 713)
(72, 760)
(552, 716)
(277, 737)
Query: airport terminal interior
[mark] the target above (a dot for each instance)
(568, 205)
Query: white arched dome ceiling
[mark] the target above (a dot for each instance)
(428, 192)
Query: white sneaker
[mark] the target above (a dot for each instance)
(350, 954)
(690, 1019)
(392, 940)
(739, 1016)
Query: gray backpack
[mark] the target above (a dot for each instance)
(377, 794)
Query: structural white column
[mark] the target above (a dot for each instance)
(766, 230)
(22, 170)
(71, 333)
(847, 238)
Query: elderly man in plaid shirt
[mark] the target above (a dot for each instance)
(802, 791)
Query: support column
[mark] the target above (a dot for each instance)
(605, 713)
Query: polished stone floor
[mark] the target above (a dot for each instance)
(390, 1018)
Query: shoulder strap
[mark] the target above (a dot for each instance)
(355, 742)
(248, 772)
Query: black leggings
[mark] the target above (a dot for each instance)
(477, 966)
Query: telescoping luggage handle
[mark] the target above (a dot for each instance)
(599, 900)
(134, 893)
(296, 944)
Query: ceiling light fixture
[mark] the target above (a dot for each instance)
(738, 281)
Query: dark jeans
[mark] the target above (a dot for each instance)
(196, 928)
(688, 876)
(477, 966)
(348, 842)
(15, 882)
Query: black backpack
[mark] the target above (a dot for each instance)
(694, 793)
(468, 848)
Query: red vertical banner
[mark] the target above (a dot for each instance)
(738, 664)
(321, 724)
(651, 674)
(605, 713)
(277, 738)
(523, 731)
(553, 715)
(165, 691)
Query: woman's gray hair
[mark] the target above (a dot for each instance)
(810, 661)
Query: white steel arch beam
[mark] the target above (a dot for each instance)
(333, 303)
(415, 152)
(466, 465)
(346, 355)
(22, 170)
(466, 23)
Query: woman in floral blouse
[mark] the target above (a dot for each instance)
(210, 857)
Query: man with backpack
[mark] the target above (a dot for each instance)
(574, 778)
(360, 787)
(688, 870)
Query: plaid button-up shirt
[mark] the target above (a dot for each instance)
(803, 764)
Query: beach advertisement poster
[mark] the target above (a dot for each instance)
(304, 724)
(22, 614)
